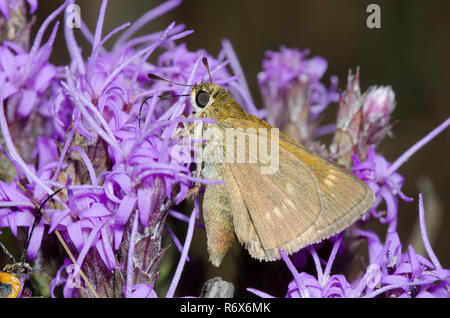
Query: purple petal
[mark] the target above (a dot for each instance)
(45, 75)
(4, 9)
(33, 5)
(76, 234)
(423, 231)
(35, 241)
(143, 291)
(417, 146)
(96, 210)
(125, 209)
(27, 103)
(47, 149)
(187, 244)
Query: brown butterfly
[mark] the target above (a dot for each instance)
(304, 200)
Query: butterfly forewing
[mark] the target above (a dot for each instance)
(305, 200)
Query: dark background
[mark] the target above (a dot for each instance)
(410, 52)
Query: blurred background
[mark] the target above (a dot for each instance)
(410, 52)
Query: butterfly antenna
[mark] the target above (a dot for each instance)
(162, 96)
(158, 78)
(205, 62)
(37, 218)
(140, 109)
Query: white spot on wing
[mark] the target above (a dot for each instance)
(291, 204)
(330, 179)
(290, 188)
(277, 212)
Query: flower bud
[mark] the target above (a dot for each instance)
(378, 105)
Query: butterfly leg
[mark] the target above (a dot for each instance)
(186, 130)
(194, 191)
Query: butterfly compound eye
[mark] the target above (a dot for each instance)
(202, 99)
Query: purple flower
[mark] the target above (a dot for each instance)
(20, 207)
(143, 176)
(16, 207)
(362, 120)
(406, 274)
(325, 285)
(390, 272)
(24, 76)
(386, 187)
(292, 92)
(379, 103)
(383, 179)
(62, 278)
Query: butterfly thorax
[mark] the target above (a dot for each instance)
(219, 107)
